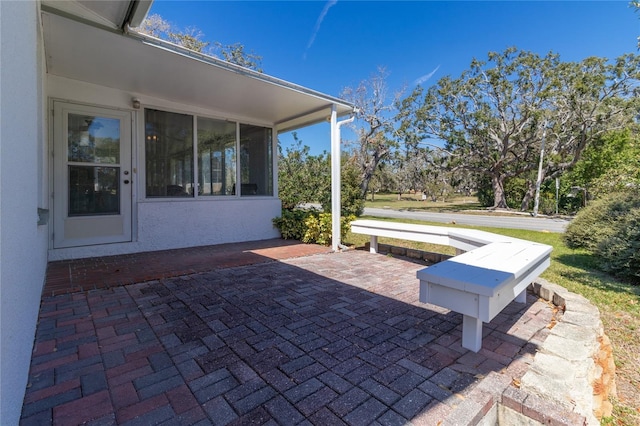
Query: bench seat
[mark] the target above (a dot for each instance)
(460, 238)
(488, 272)
(480, 283)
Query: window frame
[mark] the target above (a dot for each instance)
(235, 147)
(143, 150)
(237, 195)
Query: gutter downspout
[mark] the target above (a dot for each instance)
(138, 10)
(335, 176)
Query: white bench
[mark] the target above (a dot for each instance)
(489, 272)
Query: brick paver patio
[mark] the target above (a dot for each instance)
(325, 339)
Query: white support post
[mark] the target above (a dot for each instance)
(336, 155)
(471, 333)
(335, 180)
(522, 297)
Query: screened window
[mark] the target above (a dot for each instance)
(225, 153)
(216, 157)
(168, 154)
(256, 165)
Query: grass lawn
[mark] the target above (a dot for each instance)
(414, 202)
(619, 305)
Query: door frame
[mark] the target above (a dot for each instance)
(59, 178)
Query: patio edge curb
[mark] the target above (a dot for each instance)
(567, 384)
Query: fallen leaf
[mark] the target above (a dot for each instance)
(516, 383)
(443, 387)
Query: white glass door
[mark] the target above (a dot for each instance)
(92, 175)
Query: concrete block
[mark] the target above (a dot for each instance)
(579, 304)
(581, 318)
(558, 300)
(548, 413)
(507, 416)
(414, 254)
(491, 417)
(432, 257)
(513, 398)
(546, 293)
(553, 367)
(535, 288)
(584, 334)
(398, 251)
(384, 248)
(468, 413)
(569, 349)
(494, 383)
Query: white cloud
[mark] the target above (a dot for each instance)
(426, 77)
(324, 12)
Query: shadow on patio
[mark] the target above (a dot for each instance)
(330, 338)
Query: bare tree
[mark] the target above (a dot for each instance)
(193, 39)
(374, 123)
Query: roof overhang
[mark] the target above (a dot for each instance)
(150, 67)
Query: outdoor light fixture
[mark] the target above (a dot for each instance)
(136, 103)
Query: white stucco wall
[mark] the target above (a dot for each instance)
(179, 224)
(184, 224)
(159, 225)
(23, 244)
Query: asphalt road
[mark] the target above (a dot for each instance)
(512, 222)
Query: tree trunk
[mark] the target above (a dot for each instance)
(528, 196)
(499, 196)
(367, 174)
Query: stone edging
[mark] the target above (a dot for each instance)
(568, 383)
(570, 379)
(574, 366)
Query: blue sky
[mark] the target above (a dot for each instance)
(329, 45)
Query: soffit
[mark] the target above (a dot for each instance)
(150, 67)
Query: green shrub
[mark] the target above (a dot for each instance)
(309, 226)
(351, 200)
(292, 223)
(610, 229)
(619, 253)
(319, 228)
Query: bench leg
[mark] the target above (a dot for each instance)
(522, 297)
(423, 294)
(373, 247)
(471, 333)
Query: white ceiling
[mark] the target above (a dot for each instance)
(82, 52)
